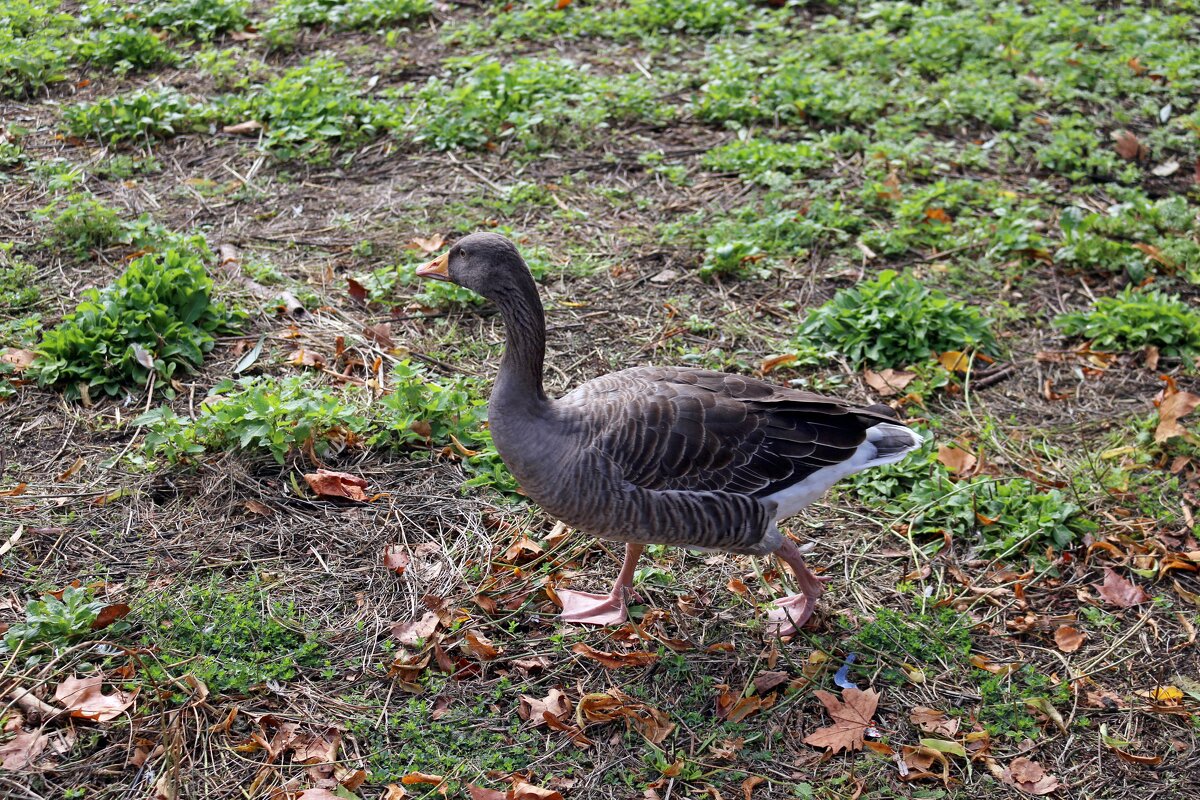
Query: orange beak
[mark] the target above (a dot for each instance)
(439, 268)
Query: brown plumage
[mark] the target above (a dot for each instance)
(668, 455)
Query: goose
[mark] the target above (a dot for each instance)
(663, 455)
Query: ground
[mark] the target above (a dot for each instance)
(983, 214)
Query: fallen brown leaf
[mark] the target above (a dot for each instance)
(749, 784)
(772, 363)
(527, 791)
(615, 660)
(22, 751)
(381, 334)
(85, 700)
(421, 777)
(851, 718)
(956, 459)
(327, 483)
(1068, 638)
(1175, 406)
(1121, 592)
(601, 707)
(247, 128)
(109, 614)
(395, 558)
(413, 632)
(357, 291)
(930, 720)
(1029, 777)
(523, 549)
(428, 245)
(480, 646)
(888, 382)
(1127, 146)
(534, 711)
(480, 793)
(766, 681)
(20, 359)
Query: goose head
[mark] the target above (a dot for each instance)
(486, 263)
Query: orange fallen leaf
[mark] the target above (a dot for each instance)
(559, 5)
(327, 483)
(956, 459)
(85, 700)
(523, 549)
(851, 717)
(535, 711)
(394, 792)
(1175, 406)
(615, 660)
(480, 646)
(954, 361)
(421, 777)
(772, 363)
(1068, 638)
(109, 614)
(888, 382)
(749, 784)
(938, 215)
(1120, 591)
(1029, 776)
(601, 707)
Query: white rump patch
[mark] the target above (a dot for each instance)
(885, 444)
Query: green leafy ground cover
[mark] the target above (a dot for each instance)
(983, 214)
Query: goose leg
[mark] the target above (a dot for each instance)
(603, 609)
(790, 613)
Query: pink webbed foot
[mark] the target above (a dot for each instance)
(789, 614)
(586, 608)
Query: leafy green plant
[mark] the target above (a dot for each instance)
(894, 320)
(289, 15)
(529, 101)
(125, 48)
(79, 223)
(233, 638)
(145, 113)
(309, 110)
(35, 45)
(1135, 319)
(203, 19)
(157, 317)
(56, 622)
(18, 282)
(1137, 236)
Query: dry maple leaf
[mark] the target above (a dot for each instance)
(306, 358)
(1029, 776)
(429, 245)
(615, 660)
(1174, 407)
(1121, 592)
(85, 700)
(21, 751)
(888, 382)
(851, 718)
(1068, 638)
(327, 483)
